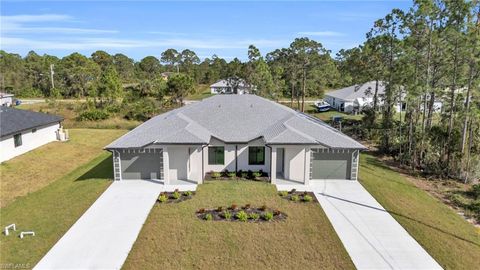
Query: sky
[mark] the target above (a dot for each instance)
(224, 28)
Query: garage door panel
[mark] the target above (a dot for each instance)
(141, 165)
(328, 165)
(329, 169)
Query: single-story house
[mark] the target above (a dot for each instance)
(231, 86)
(22, 131)
(6, 99)
(356, 97)
(235, 132)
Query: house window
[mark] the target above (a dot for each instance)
(216, 155)
(34, 130)
(256, 155)
(17, 139)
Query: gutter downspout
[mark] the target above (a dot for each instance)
(236, 158)
(270, 175)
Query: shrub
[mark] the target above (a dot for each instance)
(247, 206)
(233, 207)
(268, 216)
(231, 174)
(176, 195)
(293, 191)
(276, 212)
(295, 198)
(227, 214)
(307, 198)
(458, 200)
(201, 210)
(475, 191)
(219, 209)
(162, 198)
(208, 217)
(474, 206)
(244, 175)
(263, 207)
(242, 216)
(215, 174)
(283, 193)
(256, 175)
(93, 115)
(254, 216)
(187, 193)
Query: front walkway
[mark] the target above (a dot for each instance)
(104, 235)
(371, 236)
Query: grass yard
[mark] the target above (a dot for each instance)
(38, 168)
(69, 110)
(451, 240)
(174, 238)
(201, 91)
(51, 211)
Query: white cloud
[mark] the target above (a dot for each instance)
(322, 33)
(12, 43)
(36, 18)
(22, 24)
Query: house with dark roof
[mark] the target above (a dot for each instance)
(235, 133)
(22, 131)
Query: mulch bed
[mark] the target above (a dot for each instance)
(242, 176)
(171, 198)
(299, 195)
(218, 214)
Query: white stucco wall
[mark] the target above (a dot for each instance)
(295, 163)
(30, 141)
(242, 157)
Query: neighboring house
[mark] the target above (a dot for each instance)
(166, 75)
(22, 131)
(235, 132)
(231, 86)
(6, 99)
(356, 97)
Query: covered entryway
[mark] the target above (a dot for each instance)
(141, 164)
(330, 164)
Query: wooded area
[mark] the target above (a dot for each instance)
(426, 54)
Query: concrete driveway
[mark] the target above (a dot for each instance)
(371, 236)
(104, 235)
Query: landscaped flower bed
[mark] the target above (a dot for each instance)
(175, 197)
(246, 213)
(297, 196)
(240, 175)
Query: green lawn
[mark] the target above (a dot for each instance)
(451, 240)
(51, 211)
(201, 91)
(174, 238)
(38, 168)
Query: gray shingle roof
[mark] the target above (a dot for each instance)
(14, 120)
(358, 91)
(234, 119)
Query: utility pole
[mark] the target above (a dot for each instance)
(51, 75)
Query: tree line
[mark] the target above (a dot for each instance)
(426, 54)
